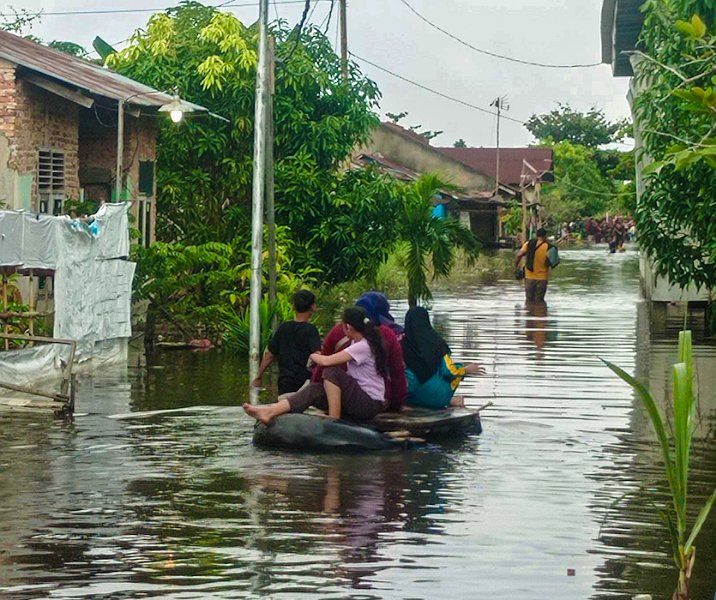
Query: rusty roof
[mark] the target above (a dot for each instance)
(80, 73)
(485, 159)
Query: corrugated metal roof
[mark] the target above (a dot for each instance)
(80, 73)
(485, 160)
(622, 21)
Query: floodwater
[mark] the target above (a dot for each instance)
(155, 491)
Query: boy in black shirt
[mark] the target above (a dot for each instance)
(293, 343)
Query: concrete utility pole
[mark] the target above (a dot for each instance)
(257, 198)
(344, 39)
(270, 212)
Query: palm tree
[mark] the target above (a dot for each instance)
(425, 235)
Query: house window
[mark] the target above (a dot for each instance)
(51, 181)
(146, 177)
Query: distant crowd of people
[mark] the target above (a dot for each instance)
(614, 231)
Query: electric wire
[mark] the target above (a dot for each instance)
(494, 54)
(305, 16)
(572, 185)
(469, 105)
(426, 88)
(297, 32)
(326, 23)
(229, 4)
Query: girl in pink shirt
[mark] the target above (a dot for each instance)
(358, 393)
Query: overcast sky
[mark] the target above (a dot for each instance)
(388, 34)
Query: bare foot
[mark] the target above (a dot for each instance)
(458, 401)
(260, 413)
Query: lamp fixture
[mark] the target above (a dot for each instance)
(176, 109)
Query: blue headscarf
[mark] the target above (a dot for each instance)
(378, 309)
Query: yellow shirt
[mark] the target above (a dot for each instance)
(541, 270)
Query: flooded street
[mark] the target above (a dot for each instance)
(155, 490)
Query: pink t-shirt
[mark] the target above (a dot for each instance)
(362, 369)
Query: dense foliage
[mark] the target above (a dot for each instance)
(426, 237)
(564, 124)
(340, 221)
(336, 223)
(677, 119)
(203, 289)
(589, 180)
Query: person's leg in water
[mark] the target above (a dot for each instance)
(530, 291)
(540, 291)
(267, 412)
(297, 402)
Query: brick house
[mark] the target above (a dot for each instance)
(59, 133)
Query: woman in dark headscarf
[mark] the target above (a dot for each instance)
(432, 375)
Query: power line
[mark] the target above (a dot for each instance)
(229, 4)
(424, 87)
(494, 54)
(576, 187)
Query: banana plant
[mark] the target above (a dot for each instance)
(424, 236)
(675, 452)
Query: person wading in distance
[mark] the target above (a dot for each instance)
(536, 267)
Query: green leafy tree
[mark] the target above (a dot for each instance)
(347, 218)
(426, 237)
(459, 143)
(589, 180)
(676, 113)
(68, 48)
(590, 129)
(186, 286)
(205, 166)
(580, 188)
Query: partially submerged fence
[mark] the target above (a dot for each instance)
(61, 403)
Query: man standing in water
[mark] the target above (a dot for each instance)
(536, 267)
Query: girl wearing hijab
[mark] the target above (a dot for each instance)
(357, 393)
(432, 375)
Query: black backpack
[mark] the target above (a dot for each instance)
(532, 246)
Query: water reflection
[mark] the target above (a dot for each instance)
(155, 490)
(536, 324)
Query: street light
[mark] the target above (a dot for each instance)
(176, 109)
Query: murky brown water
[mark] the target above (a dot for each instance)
(154, 490)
